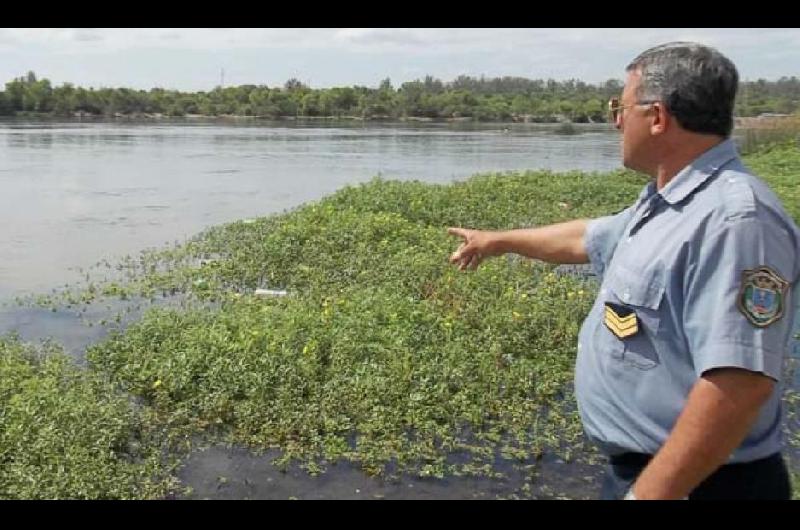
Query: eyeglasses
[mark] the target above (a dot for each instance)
(615, 109)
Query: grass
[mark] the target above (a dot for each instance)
(382, 353)
(779, 162)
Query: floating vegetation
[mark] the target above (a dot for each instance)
(380, 353)
(67, 433)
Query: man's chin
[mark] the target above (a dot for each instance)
(629, 164)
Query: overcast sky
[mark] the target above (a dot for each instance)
(192, 59)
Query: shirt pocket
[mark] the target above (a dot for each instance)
(641, 291)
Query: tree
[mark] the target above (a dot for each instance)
(594, 110)
(480, 98)
(309, 104)
(294, 84)
(260, 102)
(15, 90)
(38, 95)
(520, 105)
(612, 88)
(386, 86)
(433, 85)
(5, 106)
(410, 98)
(64, 100)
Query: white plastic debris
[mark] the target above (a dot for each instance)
(270, 292)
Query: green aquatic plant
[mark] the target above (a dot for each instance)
(66, 433)
(380, 352)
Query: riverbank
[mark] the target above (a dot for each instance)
(381, 355)
(766, 121)
(233, 118)
(761, 128)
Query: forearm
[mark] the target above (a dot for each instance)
(719, 412)
(557, 243)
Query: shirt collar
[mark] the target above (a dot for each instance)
(647, 192)
(698, 171)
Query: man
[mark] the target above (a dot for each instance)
(678, 372)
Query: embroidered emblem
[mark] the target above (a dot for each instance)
(762, 295)
(621, 320)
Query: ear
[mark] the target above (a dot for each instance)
(659, 119)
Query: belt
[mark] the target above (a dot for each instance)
(642, 459)
(630, 459)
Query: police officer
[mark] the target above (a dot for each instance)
(679, 365)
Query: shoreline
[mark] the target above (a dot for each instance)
(155, 117)
(740, 122)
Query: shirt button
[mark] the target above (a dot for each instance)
(630, 238)
(626, 296)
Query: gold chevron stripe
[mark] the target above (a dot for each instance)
(621, 322)
(623, 333)
(621, 329)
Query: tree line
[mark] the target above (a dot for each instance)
(469, 98)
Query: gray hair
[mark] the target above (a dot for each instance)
(696, 83)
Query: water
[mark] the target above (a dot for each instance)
(220, 472)
(76, 193)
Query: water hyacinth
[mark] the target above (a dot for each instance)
(66, 433)
(376, 351)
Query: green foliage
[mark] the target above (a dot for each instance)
(411, 375)
(762, 96)
(497, 99)
(481, 99)
(65, 433)
(778, 164)
(381, 353)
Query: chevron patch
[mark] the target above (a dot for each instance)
(621, 320)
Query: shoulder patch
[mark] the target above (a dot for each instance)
(762, 296)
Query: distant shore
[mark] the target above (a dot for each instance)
(81, 116)
(764, 121)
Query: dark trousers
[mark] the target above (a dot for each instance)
(765, 479)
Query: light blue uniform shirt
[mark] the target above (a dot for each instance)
(676, 258)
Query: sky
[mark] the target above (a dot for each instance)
(194, 59)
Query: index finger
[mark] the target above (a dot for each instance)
(460, 232)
